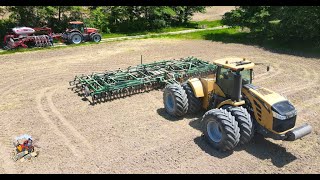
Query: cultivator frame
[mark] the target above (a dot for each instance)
(141, 78)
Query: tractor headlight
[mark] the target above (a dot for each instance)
(278, 116)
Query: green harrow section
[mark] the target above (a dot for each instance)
(144, 77)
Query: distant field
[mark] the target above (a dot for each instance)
(213, 13)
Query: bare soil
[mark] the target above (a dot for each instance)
(212, 13)
(134, 134)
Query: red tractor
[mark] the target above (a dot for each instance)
(78, 32)
(26, 37)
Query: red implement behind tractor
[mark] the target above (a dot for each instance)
(26, 37)
(29, 37)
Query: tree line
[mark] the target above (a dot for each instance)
(281, 23)
(106, 18)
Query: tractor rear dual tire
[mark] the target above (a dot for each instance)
(75, 38)
(175, 100)
(194, 103)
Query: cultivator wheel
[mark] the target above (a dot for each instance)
(111, 85)
(86, 91)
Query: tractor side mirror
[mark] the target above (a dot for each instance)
(268, 68)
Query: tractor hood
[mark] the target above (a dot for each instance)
(264, 95)
(91, 30)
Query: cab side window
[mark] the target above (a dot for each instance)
(225, 80)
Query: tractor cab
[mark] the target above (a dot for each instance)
(76, 25)
(81, 27)
(232, 74)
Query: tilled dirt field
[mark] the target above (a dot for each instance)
(212, 13)
(134, 134)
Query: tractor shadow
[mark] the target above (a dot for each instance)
(262, 148)
(162, 112)
(259, 147)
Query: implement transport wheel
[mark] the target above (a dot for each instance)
(85, 91)
(245, 124)
(194, 103)
(75, 38)
(175, 100)
(221, 129)
(96, 37)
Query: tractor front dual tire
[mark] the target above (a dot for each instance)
(175, 100)
(245, 123)
(96, 37)
(194, 103)
(221, 129)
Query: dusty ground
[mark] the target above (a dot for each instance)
(135, 135)
(212, 13)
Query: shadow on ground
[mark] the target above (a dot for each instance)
(290, 48)
(258, 147)
(162, 112)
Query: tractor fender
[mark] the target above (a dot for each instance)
(70, 32)
(196, 86)
(91, 34)
(230, 102)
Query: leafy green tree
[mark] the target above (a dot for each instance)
(283, 23)
(99, 18)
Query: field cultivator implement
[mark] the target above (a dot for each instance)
(141, 78)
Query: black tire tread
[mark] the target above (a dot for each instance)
(242, 116)
(180, 97)
(230, 126)
(71, 35)
(96, 34)
(195, 104)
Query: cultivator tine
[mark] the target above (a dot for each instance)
(121, 83)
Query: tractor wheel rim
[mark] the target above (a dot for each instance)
(169, 101)
(76, 39)
(214, 131)
(96, 38)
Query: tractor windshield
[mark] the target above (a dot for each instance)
(79, 27)
(73, 26)
(226, 79)
(246, 76)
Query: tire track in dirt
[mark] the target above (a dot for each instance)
(276, 72)
(305, 104)
(7, 163)
(174, 141)
(15, 84)
(6, 146)
(24, 72)
(52, 125)
(311, 78)
(65, 122)
(167, 157)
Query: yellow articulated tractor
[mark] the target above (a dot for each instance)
(236, 109)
